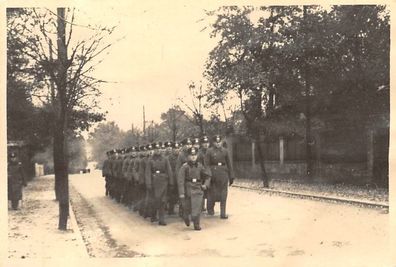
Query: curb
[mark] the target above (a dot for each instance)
(76, 229)
(365, 203)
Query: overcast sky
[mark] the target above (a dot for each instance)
(165, 47)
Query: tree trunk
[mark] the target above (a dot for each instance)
(60, 148)
(261, 159)
(308, 133)
(61, 177)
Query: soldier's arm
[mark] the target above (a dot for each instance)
(22, 174)
(178, 163)
(142, 171)
(135, 170)
(206, 176)
(180, 180)
(124, 168)
(170, 172)
(148, 174)
(229, 165)
(104, 166)
(207, 158)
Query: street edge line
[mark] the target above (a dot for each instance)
(74, 224)
(318, 197)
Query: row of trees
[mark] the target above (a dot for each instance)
(296, 68)
(175, 125)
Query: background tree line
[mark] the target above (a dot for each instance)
(297, 68)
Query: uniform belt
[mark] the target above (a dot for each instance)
(194, 180)
(157, 172)
(219, 164)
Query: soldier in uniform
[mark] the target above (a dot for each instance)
(195, 143)
(203, 149)
(106, 172)
(113, 157)
(16, 179)
(133, 178)
(201, 158)
(125, 181)
(192, 179)
(217, 159)
(158, 176)
(173, 196)
(181, 159)
(148, 199)
(139, 177)
(117, 172)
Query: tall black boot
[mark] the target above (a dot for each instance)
(196, 221)
(223, 214)
(210, 206)
(161, 214)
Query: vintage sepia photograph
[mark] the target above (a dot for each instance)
(155, 132)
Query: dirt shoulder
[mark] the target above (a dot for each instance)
(33, 228)
(95, 233)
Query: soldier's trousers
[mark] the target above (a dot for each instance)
(172, 199)
(158, 205)
(211, 204)
(106, 185)
(148, 204)
(192, 208)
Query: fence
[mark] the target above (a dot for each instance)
(341, 154)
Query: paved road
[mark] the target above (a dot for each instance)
(262, 228)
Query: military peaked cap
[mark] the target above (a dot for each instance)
(192, 151)
(204, 139)
(217, 138)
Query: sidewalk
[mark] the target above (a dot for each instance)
(33, 229)
(342, 192)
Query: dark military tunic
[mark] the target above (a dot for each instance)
(105, 168)
(218, 161)
(201, 155)
(190, 179)
(158, 175)
(181, 159)
(117, 172)
(16, 180)
(172, 161)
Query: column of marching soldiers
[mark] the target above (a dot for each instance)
(156, 178)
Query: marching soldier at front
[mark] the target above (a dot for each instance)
(201, 158)
(16, 179)
(181, 159)
(158, 176)
(192, 179)
(218, 160)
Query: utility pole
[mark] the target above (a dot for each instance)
(144, 124)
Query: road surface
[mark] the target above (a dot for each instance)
(262, 228)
